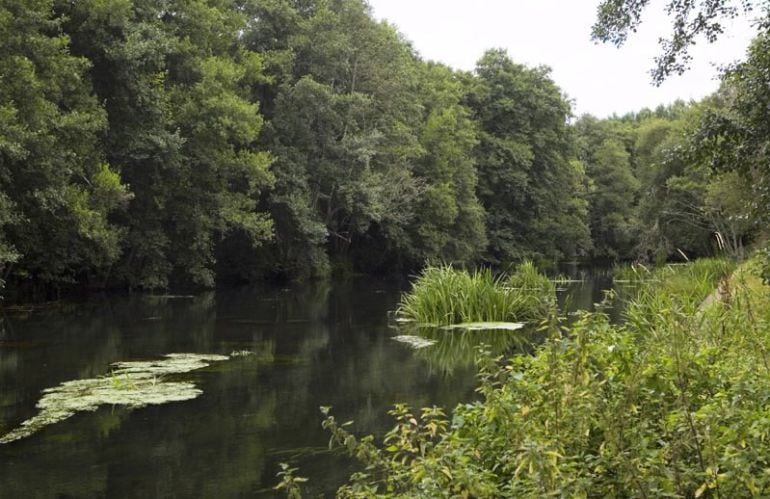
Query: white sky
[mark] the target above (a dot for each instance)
(601, 79)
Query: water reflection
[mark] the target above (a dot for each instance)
(317, 345)
(314, 345)
(585, 289)
(454, 349)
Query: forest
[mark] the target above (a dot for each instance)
(156, 144)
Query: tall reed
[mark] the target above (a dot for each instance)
(444, 295)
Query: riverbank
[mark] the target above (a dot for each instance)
(669, 403)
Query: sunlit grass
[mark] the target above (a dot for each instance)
(681, 288)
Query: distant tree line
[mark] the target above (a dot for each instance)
(149, 144)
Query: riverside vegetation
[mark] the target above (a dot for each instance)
(159, 144)
(449, 312)
(673, 402)
(180, 144)
(443, 296)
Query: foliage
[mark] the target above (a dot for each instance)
(672, 213)
(449, 218)
(176, 84)
(444, 295)
(732, 137)
(690, 21)
(527, 185)
(604, 150)
(56, 191)
(611, 213)
(149, 144)
(631, 272)
(688, 284)
(346, 123)
(655, 189)
(290, 483)
(668, 404)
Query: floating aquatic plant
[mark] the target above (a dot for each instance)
(487, 326)
(241, 353)
(133, 384)
(415, 342)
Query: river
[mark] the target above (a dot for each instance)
(295, 349)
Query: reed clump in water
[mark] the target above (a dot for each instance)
(444, 295)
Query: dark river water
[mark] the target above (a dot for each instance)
(325, 344)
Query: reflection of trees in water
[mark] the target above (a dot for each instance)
(588, 288)
(315, 345)
(207, 447)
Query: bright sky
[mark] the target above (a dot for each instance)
(600, 79)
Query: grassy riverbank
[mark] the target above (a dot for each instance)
(674, 402)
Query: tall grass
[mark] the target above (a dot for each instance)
(631, 272)
(444, 295)
(681, 288)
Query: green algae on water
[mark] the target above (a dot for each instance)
(132, 384)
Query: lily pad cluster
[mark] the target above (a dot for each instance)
(132, 384)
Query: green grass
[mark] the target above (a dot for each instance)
(681, 288)
(444, 295)
(631, 272)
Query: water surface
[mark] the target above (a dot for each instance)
(315, 345)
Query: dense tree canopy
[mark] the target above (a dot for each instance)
(655, 192)
(527, 184)
(164, 143)
(57, 188)
(175, 83)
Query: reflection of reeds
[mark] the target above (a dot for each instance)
(457, 348)
(445, 295)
